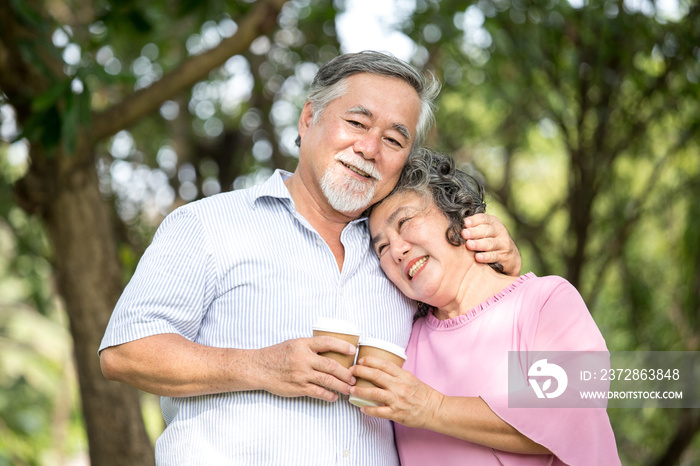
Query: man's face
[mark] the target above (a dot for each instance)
(356, 149)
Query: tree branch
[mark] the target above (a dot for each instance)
(22, 79)
(261, 19)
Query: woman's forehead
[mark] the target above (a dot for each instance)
(389, 209)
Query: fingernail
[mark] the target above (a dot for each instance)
(353, 381)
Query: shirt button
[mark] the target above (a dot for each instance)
(346, 453)
(319, 242)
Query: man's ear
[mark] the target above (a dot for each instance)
(305, 119)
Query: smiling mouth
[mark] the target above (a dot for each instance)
(415, 267)
(357, 170)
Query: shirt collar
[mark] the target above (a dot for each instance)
(274, 187)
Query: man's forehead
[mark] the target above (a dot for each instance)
(367, 98)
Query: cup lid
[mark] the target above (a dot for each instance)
(326, 324)
(385, 345)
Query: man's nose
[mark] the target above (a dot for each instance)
(368, 144)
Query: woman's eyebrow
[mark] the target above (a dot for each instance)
(389, 221)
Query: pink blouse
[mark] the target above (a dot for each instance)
(468, 356)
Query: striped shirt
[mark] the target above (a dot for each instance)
(244, 270)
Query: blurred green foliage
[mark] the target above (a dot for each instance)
(581, 117)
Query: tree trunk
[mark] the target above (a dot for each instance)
(63, 189)
(89, 278)
(686, 429)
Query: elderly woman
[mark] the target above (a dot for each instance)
(450, 400)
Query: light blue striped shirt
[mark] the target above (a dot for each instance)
(244, 270)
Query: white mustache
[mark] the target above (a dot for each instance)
(360, 164)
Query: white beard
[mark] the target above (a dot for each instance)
(346, 194)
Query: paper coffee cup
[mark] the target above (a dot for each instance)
(342, 329)
(380, 349)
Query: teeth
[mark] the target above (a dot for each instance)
(356, 170)
(412, 271)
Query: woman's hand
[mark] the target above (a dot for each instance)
(487, 235)
(415, 404)
(407, 400)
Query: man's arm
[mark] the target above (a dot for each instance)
(486, 234)
(171, 365)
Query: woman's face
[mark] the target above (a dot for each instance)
(408, 236)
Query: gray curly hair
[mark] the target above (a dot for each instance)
(434, 176)
(330, 83)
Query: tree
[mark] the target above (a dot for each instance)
(55, 106)
(582, 120)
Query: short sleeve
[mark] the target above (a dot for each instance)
(173, 285)
(554, 317)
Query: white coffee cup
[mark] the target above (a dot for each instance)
(341, 329)
(380, 349)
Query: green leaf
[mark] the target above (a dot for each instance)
(69, 128)
(51, 96)
(28, 15)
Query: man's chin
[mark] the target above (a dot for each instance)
(348, 197)
(349, 206)
(352, 211)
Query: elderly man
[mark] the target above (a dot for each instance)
(217, 317)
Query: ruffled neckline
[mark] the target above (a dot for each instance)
(437, 324)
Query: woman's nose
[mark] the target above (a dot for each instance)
(399, 249)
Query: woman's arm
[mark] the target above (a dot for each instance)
(413, 403)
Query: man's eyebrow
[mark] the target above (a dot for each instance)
(389, 221)
(402, 129)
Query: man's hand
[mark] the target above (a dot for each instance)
(487, 235)
(294, 368)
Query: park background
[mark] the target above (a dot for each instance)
(582, 118)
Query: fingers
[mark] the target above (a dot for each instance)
(379, 396)
(329, 372)
(403, 397)
(293, 368)
(480, 220)
(377, 377)
(489, 250)
(383, 412)
(489, 239)
(382, 365)
(481, 226)
(326, 343)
